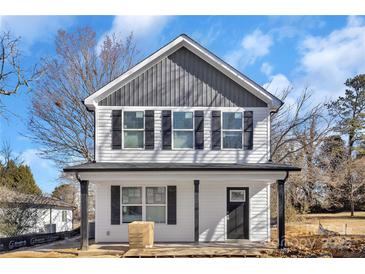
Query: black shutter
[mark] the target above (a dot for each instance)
(166, 129)
(216, 130)
(116, 129)
(199, 129)
(171, 205)
(248, 130)
(115, 205)
(149, 128)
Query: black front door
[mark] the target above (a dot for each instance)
(237, 212)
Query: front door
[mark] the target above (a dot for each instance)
(237, 212)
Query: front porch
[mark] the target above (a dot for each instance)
(246, 249)
(202, 195)
(70, 249)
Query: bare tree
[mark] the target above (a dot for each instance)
(7, 155)
(289, 121)
(308, 183)
(20, 213)
(58, 119)
(13, 75)
(297, 131)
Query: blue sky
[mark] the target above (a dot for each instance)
(275, 51)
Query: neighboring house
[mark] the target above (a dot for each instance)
(43, 214)
(57, 216)
(182, 139)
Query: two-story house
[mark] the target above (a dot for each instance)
(182, 139)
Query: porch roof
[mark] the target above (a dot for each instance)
(112, 166)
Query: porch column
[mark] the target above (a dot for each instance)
(196, 211)
(84, 230)
(281, 214)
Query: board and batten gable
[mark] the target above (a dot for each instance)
(182, 81)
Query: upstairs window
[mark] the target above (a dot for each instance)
(133, 129)
(183, 130)
(232, 130)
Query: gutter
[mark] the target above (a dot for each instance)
(93, 111)
(77, 170)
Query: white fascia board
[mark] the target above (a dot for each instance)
(273, 102)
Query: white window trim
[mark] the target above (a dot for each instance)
(173, 130)
(122, 204)
(144, 203)
(239, 201)
(165, 204)
(238, 130)
(64, 220)
(139, 129)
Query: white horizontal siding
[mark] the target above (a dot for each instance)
(212, 206)
(213, 201)
(182, 231)
(44, 220)
(259, 154)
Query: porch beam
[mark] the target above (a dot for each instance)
(196, 211)
(84, 229)
(281, 213)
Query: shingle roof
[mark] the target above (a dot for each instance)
(111, 166)
(13, 198)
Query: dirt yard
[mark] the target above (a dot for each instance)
(345, 238)
(303, 240)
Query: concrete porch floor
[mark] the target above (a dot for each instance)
(70, 248)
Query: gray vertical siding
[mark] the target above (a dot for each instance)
(182, 79)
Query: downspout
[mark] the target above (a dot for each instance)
(77, 177)
(91, 110)
(286, 176)
(281, 211)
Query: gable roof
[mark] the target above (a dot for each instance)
(184, 41)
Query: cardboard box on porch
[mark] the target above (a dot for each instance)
(141, 234)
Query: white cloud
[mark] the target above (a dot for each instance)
(355, 21)
(266, 68)
(33, 29)
(277, 83)
(252, 46)
(327, 61)
(146, 29)
(283, 27)
(31, 158)
(208, 36)
(141, 26)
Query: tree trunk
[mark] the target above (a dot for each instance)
(349, 179)
(352, 203)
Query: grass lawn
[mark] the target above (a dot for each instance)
(341, 223)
